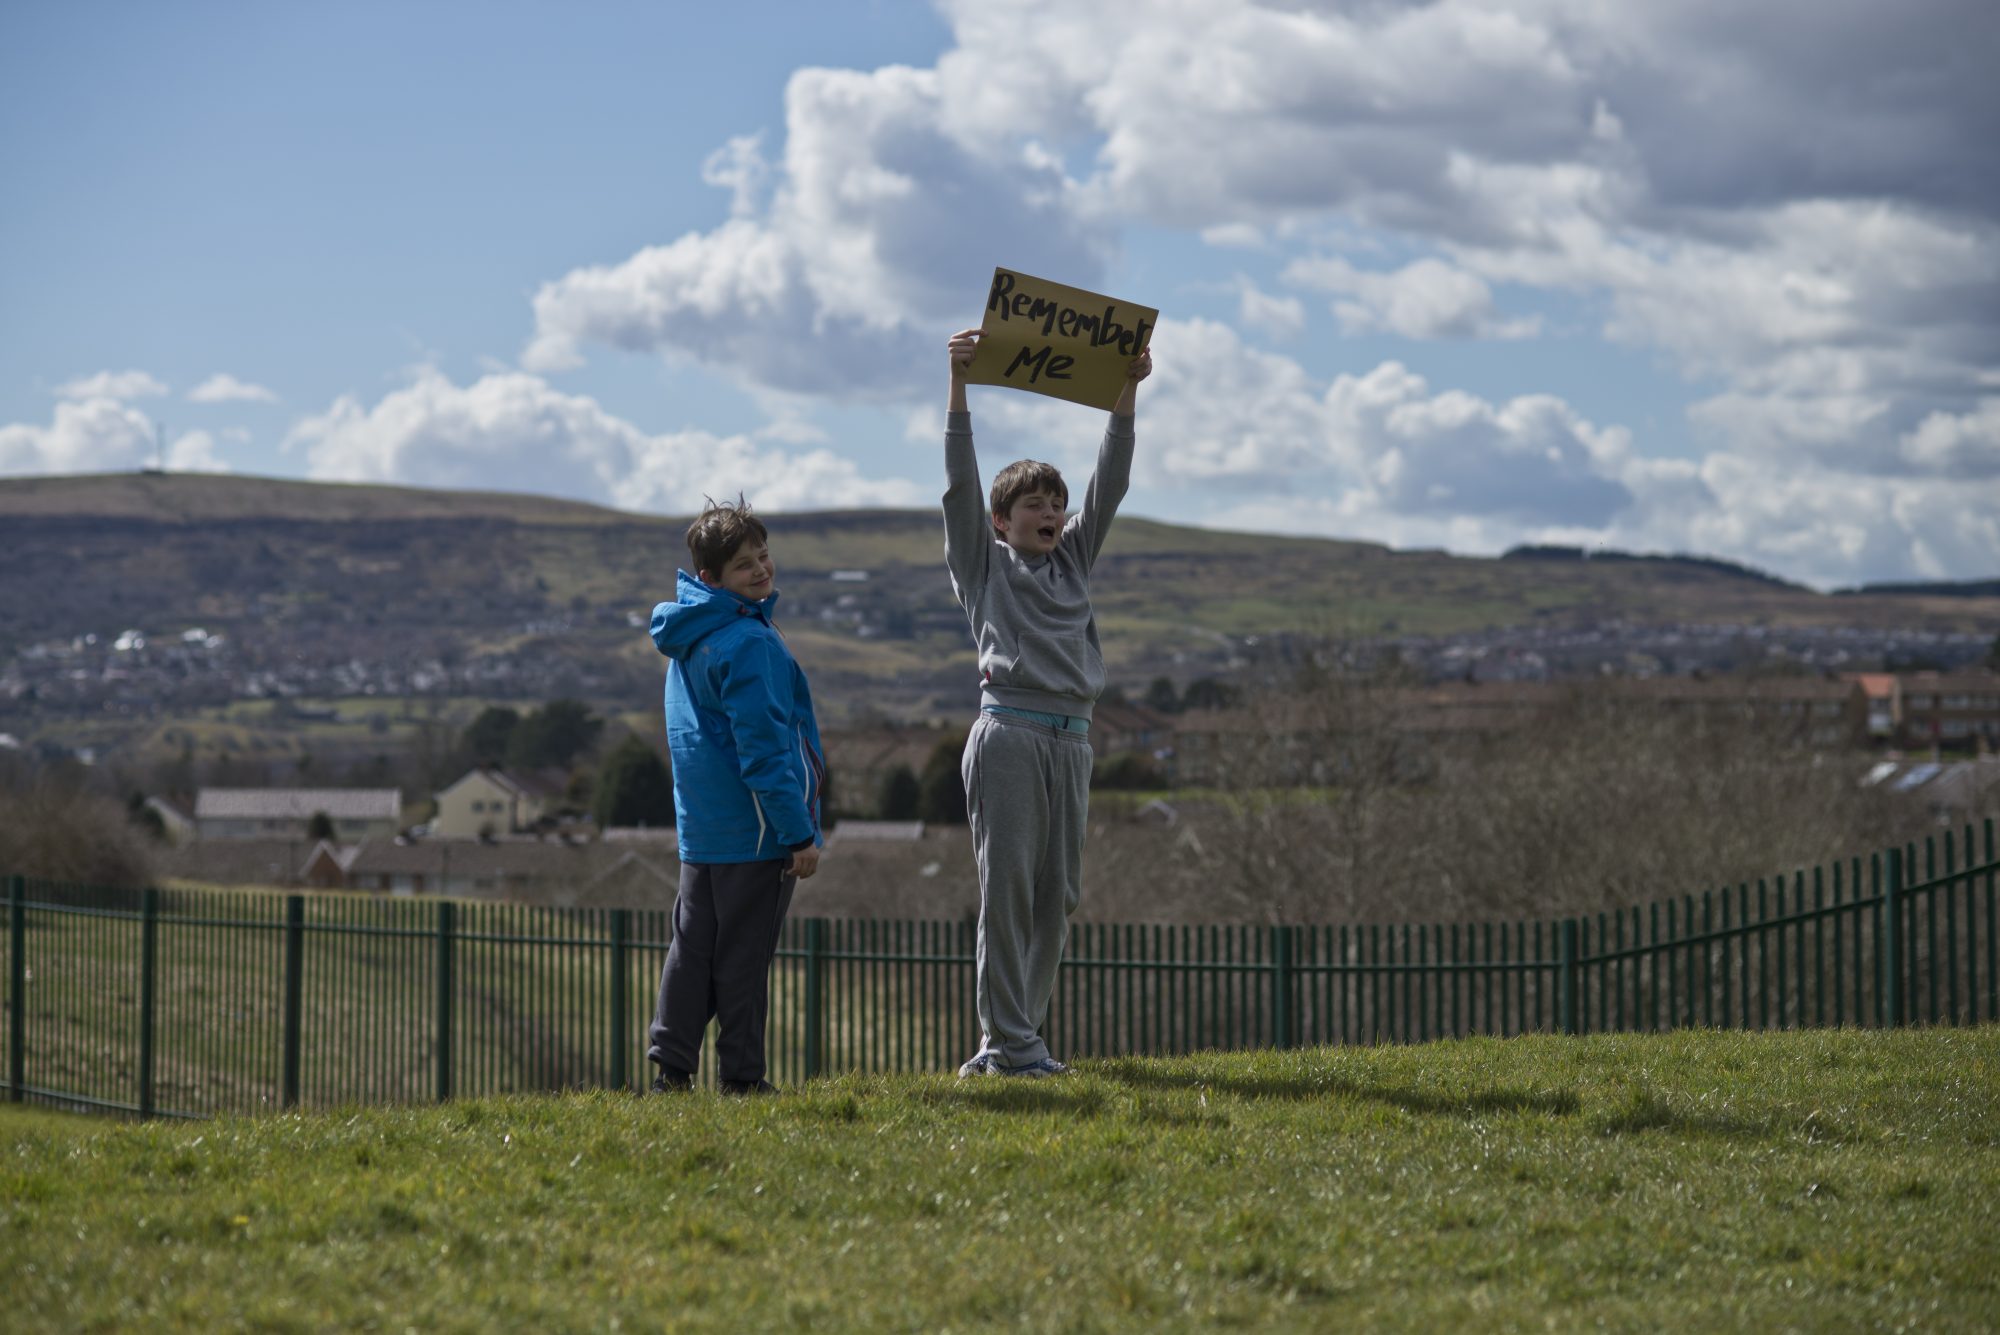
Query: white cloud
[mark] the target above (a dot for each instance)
(865, 252)
(1958, 444)
(225, 388)
(1279, 317)
(516, 431)
(195, 452)
(1427, 298)
(739, 167)
(91, 436)
(118, 385)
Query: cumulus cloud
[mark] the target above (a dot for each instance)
(225, 388)
(118, 385)
(195, 452)
(517, 427)
(89, 436)
(1958, 444)
(1222, 417)
(1279, 317)
(880, 231)
(1427, 298)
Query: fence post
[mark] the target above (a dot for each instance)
(1567, 977)
(1892, 942)
(295, 956)
(621, 933)
(1281, 986)
(445, 927)
(815, 992)
(17, 987)
(149, 962)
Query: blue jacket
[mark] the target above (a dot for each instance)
(748, 766)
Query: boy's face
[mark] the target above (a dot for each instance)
(1033, 524)
(748, 574)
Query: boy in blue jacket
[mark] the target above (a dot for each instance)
(748, 772)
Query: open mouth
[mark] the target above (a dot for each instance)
(1048, 532)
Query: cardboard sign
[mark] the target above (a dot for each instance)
(1060, 341)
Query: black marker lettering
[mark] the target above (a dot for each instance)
(1040, 363)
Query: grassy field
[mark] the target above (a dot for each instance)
(1828, 1180)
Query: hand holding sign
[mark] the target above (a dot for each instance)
(1055, 340)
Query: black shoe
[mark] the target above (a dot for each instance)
(746, 1087)
(670, 1081)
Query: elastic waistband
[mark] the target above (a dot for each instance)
(1060, 722)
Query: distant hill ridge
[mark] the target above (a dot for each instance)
(1710, 563)
(363, 570)
(195, 497)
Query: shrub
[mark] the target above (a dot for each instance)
(58, 831)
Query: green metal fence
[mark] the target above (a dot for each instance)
(189, 1003)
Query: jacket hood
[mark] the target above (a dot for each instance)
(698, 611)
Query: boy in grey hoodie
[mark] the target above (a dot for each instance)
(1022, 573)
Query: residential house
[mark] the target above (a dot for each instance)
(176, 825)
(1128, 729)
(860, 760)
(486, 802)
(263, 813)
(1884, 691)
(540, 871)
(1951, 709)
(1953, 790)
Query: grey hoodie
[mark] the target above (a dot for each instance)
(1032, 619)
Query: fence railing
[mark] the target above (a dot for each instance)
(191, 1002)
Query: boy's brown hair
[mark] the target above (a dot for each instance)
(719, 530)
(1025, 478)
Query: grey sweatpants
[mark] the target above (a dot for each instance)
(1027, 792)
(726, 922)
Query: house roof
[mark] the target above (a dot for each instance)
(170, 812)
(534, 785)
(467, 857)
(1971, 682)
(1877, 685)
(877, 831)
(340, 855)
(1116, 717)
(298, 803)
(664, 836)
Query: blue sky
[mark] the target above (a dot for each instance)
(1462, 274)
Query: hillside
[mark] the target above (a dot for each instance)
(320, 590)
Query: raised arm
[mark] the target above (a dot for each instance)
(961, 347)
(968, 529)
(1092, 521)
(1128, 397)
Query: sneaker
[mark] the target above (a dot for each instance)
(984, 1064)
(746, 1087)
(669, 1081)
(1040, 1070)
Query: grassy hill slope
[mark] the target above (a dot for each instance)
(1687, 1181)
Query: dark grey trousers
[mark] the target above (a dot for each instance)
(1027, 791)
(726, 922)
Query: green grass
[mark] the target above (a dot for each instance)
(1829, 1180)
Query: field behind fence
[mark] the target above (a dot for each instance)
(194, 1002)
